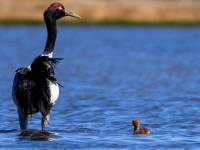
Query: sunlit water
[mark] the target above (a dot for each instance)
(110, 76)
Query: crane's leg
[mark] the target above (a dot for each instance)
(45, 120)
(23, 119)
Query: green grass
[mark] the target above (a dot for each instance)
(100, 22)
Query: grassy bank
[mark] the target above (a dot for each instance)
(101, 22)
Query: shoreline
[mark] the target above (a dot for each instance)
(102, 22)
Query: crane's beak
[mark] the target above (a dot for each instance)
(68, 13)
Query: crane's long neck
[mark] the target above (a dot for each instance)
(52, 34)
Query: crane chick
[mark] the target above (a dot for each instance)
(138, 130)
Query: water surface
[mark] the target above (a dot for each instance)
(110, 75)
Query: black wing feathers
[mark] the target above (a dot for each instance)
(33, 90)
(43, 68)
(23, 94)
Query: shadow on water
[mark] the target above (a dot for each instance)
(43, 135)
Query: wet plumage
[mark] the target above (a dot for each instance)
(35, 88)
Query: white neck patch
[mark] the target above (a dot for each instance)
(49, 55)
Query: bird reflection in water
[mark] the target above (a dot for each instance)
(41, 135)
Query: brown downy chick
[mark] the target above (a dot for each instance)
(142, 130)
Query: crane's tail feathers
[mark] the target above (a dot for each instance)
(31, 97)
(43, 68)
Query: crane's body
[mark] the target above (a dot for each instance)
(35, 88)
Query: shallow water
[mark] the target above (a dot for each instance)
(110, 76)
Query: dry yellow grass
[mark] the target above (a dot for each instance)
(143, 10)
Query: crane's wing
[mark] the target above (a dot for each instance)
(31, 92)
(22, 88)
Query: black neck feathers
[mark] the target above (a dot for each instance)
(52, 32)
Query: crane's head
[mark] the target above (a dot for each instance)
(58, 11)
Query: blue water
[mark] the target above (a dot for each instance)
(110, 75)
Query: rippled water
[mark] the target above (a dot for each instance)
(110, 76)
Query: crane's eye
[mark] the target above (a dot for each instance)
(61, 8)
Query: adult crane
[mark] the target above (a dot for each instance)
(35, 88)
